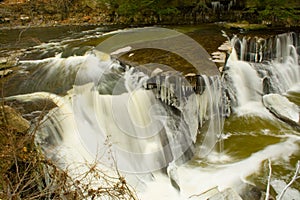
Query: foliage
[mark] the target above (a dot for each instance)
(132, 7)
(156, 11)
(275, 11)
(277, 14)
(273, 3)
(168, 11)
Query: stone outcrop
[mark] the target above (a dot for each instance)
(10, 118)
(283, 109)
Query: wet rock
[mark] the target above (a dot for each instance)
(24, 18)
(226, 47)
(250, 192)
(283, 109)
(267, 85)
(9, 117)
(227, 194)
(7, 20)
(290, 193)
(5, 72)
(206, 194)
(215, 194)
(253, 192)
(31, 107)
(3, 61)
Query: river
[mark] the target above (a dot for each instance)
(226, 151)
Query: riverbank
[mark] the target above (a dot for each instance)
(40, 13)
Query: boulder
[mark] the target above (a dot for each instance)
(290, 193)
(9, 117)
(254, 192)
(283, 109)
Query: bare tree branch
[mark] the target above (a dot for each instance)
(269, 180)
(291, 182)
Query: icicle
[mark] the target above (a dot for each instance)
(211, 103)
(243, 48)
(278, 50)
(158, 86)
(178, 91)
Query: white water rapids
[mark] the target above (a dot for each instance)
(106, 113)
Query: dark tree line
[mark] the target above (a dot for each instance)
(168, 11)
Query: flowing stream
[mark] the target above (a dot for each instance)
(175, 132)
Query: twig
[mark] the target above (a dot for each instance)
(21, 32)
(22, 180)
(3, 104)
(269, 180)
(295, 177)
(198, 195)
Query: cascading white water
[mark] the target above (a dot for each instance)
(211, 109)
(244, 84)
(221, 5)
(114, 116)
(108, 110)
(145, 132)
(248, 81)
(215, 5)
(111, 113)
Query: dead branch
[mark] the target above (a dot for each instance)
(269, 180)
(295, 177)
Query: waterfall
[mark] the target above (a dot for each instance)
(275, 48)
(145, 121)
(148, 124)
(261, 66)
(222, 5)
(211, 109)
(215, 5)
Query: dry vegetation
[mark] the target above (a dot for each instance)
(25, 173)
